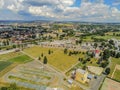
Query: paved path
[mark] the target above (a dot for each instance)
(7, 51)
(95, 84)
(71, 67)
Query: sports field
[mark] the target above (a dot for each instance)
(57, 59)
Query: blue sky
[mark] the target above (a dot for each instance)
(61, 10)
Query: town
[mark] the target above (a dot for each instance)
(59, 56)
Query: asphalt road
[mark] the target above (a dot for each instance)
(95, 83)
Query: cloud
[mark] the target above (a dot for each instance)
(16, 5)
(1, 3)
(89, 10)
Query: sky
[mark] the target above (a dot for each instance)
(61, 10)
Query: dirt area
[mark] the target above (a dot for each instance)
(110, 85)
(95, 70)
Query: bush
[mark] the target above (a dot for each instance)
(107, 70)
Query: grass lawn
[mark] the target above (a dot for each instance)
(57, 59)
(4, 64)
(117, 75)
(20, 59)
(114, 61)
(93, 62)
(88, 39)
(7, 56)
(36, 51)
(106, 37)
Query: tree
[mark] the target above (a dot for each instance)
(107, 70)
(104, 64)
(7, 42)
(76, 42)
(80, 41)
(106, 54)
(118, 55)
(110, 46)
(14, 46)
(39, 58)
(70, 53)
(95, 44)
(111, 42)
(103, 44)
(113, 34)
(65, 51)
(84, 67)
(112, 53)
(84, 62)
(45, 60)
(13, 87)
(4, 43)
(88, 59)
(41, 54)
(80, 59)
(49, 52)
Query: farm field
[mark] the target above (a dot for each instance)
(20, 59)
(106, 37)
(109, 84)
(117, 75)
(111, 33)
(114, 62)
(4, 64)
(11, 60)
(7, 56)
(57, 59)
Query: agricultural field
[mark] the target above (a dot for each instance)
(109, 84)
(57, 59)
(111, 33)
(7, 56)
(10, 60)
(107, 36)
(4, 64)
(114, 62)
(20, 59)
(117, 75)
